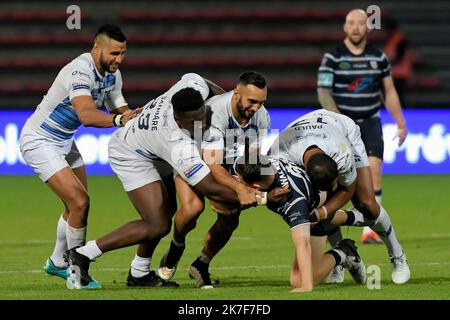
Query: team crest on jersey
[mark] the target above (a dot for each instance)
(374, 64)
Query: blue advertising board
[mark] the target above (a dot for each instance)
(425, 151)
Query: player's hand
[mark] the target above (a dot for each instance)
(401, 134)
(130, 114)
(278, 195)
(247, 196)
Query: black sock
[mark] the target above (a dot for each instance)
(335, 237)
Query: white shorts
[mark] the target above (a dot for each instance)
(47, 156)
(354, 137)
(132, 168)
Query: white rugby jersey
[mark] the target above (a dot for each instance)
(55, 117)
(155, 135)
(324, 129)
(225, 132)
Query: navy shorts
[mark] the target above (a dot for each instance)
(372, 136)
(323, 228)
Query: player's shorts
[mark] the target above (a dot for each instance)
(323, 228)
(354, 137)
(372, 136)
(47, 156)
(133, 169)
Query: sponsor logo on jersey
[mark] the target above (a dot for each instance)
(193, 170)
(360, 84)
(344, 65)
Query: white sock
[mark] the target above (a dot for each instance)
(76, 237)
(204, 258)
(378, 197)
(140, 266)
(61, 244)
(367, 230)
(90, 250)
(385, 230)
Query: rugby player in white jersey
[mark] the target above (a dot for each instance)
(88, 83)
(339, 137)
(307, 191)
(236, 115)
(144, 154)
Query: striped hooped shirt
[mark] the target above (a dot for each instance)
(356, 80)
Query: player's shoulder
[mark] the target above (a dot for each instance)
(220, 105)
(83, 65)
(220, 101)
(336, 52)
(371, 49)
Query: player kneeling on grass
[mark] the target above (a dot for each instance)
(310, 265)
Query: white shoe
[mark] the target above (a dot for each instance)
(336, 275)
(400, 269)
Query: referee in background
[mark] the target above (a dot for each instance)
(355, 80)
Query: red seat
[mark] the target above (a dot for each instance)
(217, 14)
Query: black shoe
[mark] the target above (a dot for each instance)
(149, 280)
(353, 262)
(199, 272)
(78, 271)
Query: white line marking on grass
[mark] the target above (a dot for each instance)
(9, 242)
(424, 264)
(440, 235)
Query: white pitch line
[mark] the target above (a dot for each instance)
(424, 264)
(7, 242)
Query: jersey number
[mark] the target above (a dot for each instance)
(143, 121)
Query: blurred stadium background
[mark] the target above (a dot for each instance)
(284, 40)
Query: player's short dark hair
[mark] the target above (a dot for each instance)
(254, 78)
(111, 31)
(322, 170)
(252, 172)
(187, 99)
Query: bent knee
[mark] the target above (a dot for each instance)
(79, 203)
(192, 210)
(157, 229)
(369, 208)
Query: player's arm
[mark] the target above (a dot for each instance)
(392, 103)
(214, 88)
(325, 82)
(339, 198)
(209, 187)
(302, 242)
(326, 99)
(246, 195)
(90, 116)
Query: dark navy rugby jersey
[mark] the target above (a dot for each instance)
(302, 198)
(356, 80)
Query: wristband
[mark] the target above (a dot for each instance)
(263, 199)
(117, 120)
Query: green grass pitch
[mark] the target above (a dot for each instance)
(254, 265)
